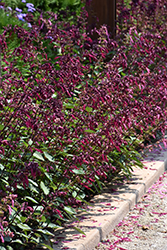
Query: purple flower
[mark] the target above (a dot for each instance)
(50, 37)
(9, 8)
(2, 238)
(33, 167)
(23, 1)
(30, 7)
(29, 25)
(21, 17)
(18, 10)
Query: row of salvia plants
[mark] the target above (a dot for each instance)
(74, 112)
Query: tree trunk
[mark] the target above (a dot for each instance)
(102, 12)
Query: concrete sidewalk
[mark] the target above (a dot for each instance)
(109, 208)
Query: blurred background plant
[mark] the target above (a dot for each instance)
(46, 5)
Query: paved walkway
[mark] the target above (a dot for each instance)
(145, 226)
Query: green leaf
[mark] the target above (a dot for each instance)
(70, 210)
(9, 248)
(1, 167)
(23, 219)
(25, 236)
(38, 208)
(24, 226)
(31, 199)
(90, 131)
(54, 95)
(30, 142)
(43, 218)
(78, 171)
(79, 230)
(17, 241)
(26, 144)
(7, 239)
(47, 246)
(74, 194)
(88, 109)
(48, 176)
(44, 188)
(44, 231)
(33, 186)
(52, 185)
(123, 74)
(33, 182)
(38, 155)
(2, 248)
(120, 69)
(33, 189)
(69, 105)
(81, 196)
(50, 225)
(59, 51)
(1, 126)
(36, 240)
(49, 157)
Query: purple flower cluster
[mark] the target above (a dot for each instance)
(21, 16)
(30, 7)
(19, 12)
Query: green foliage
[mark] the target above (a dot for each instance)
(9, 18)
(46, 5)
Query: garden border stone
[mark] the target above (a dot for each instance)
(109, 208)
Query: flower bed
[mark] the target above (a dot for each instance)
(74, 112)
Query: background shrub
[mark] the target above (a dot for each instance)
(46, 5)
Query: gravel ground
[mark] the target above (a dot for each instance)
(145, 226)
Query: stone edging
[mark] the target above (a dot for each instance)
(110, 207)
